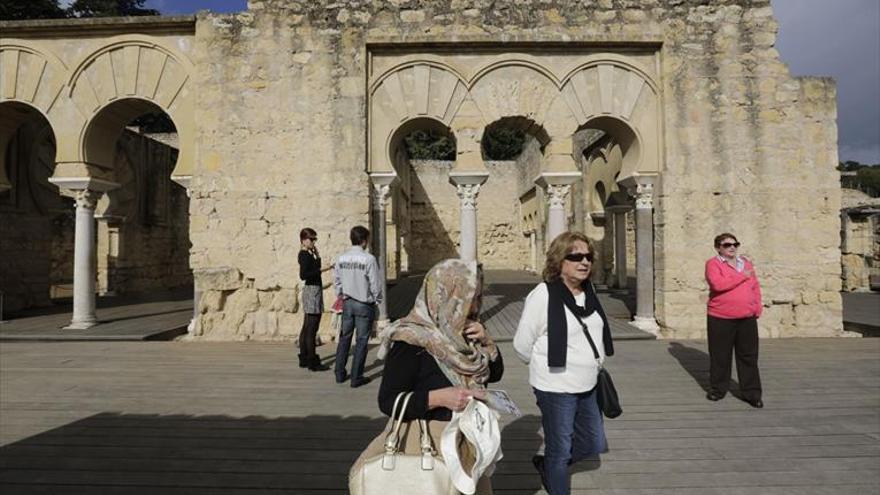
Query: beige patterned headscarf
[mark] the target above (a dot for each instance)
(438, 319)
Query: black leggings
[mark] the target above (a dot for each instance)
(308, 334)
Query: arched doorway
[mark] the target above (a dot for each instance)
(143, 224)
(423, 220)
(36, 234)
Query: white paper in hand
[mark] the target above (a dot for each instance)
(500, 401)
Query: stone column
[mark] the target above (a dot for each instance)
(642, 187)
(381, 191)
(467, 186)
(533, 250)
(85, 191)
(556, 195)
(619, 226)
(557, 186)
(84, 269)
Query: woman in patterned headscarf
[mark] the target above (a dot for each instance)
(440, 351)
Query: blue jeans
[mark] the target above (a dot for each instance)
(355, 314)
(573, 431)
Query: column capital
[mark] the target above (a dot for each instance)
(556, 194)
(468, 193)
(382, 182)
(642, 188)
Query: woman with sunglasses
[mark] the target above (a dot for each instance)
(310, 270)
(563, 370)
(732, 322)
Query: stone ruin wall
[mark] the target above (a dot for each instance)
(281, 107)
(37, 231)
(753, 151)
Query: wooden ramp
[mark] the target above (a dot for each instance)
(241, 418)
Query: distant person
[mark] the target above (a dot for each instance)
(310, 271)
(563, 370)
(732, 322)
(356, 277)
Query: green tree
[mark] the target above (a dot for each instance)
(109, 8)
(429, 145)
(17, 10)
(502, 143)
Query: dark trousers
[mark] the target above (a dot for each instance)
(725, 337)
(308, 335)
(360, 316)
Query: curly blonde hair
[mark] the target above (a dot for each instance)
(559, 248)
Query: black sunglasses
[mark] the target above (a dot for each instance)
(578, 257)
(728, 244)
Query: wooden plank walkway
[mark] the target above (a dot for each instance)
(158, 316)
(229, 418)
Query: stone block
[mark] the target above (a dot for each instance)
(221, 278)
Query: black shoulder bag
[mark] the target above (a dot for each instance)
(606, 394)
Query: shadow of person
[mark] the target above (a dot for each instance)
(696, 363)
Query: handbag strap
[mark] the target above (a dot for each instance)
(590, 340)
(393, 438)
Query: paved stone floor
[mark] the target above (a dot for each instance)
(205, 418)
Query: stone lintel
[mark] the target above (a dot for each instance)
(83, 183)
(639, 180)
(183, 180)
(467, 178)
(383, 178)
(106, 26)
(557, 179)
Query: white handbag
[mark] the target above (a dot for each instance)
(395, 472)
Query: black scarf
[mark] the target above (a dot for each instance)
(557, 325)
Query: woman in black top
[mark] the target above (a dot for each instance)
(440, 352)
(310, 270)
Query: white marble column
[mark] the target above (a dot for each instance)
(643, 190)
(84, 256)
(557, 186)
(556, 195)
(381, 191)
(467, 186)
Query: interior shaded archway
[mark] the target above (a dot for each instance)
(143, 225)
(607, 150)
(423, 205)
(36, 231)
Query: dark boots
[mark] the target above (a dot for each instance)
(316, 365)
(304, 361)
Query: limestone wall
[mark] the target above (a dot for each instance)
(282, 126)
(749, 150)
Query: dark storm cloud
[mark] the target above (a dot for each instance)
(841, 39)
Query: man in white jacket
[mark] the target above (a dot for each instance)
(356, 277)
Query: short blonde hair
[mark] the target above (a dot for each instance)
(559, 248)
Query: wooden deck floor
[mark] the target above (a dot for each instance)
(206, 418)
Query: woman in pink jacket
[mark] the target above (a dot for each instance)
(733, 311)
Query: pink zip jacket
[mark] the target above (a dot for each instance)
(732, 295)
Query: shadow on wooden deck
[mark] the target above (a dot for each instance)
(170, 454)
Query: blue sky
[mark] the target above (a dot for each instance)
(171, 7)
(837, 38)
